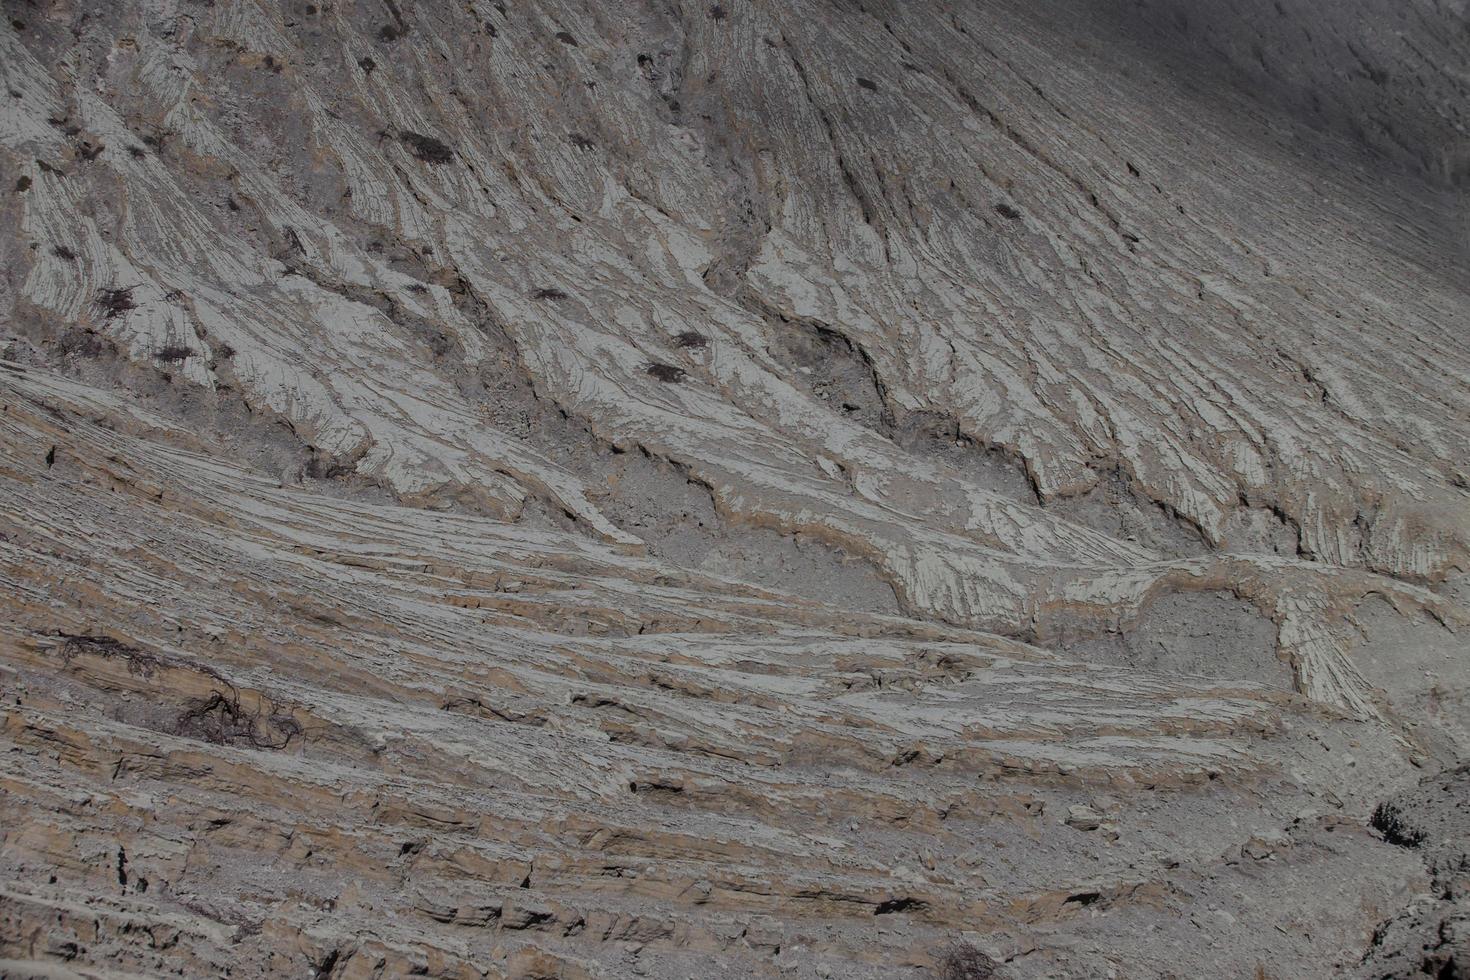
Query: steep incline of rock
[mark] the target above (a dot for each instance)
(552, 489)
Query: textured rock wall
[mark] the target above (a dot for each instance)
(553, 489)
(1388, 77)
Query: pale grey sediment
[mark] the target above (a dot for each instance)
(742, 489)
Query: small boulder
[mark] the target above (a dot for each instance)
(1081, 817)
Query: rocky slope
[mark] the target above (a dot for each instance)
(590, 490)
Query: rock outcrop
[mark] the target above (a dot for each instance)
(545, 489)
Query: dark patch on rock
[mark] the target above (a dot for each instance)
(667, 373)
(173, 353)
(427, 148)
(896, 905)
(1390, 821)
(115, 301)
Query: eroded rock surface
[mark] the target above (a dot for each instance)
(594, 490)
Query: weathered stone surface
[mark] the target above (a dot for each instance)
(589, 490)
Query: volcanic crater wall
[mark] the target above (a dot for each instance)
(548, 489)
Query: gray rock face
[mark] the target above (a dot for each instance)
(808, 489)
(1388, 77)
